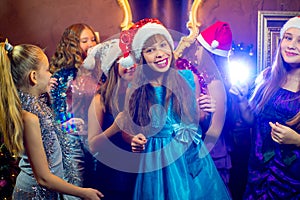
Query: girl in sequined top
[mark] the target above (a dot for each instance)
(28, 126)
(71, 97)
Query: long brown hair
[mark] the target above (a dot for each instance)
(142, 94)
(110, 88)
(68, 53)
(269, 81)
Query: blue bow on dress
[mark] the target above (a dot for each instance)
(186, 133)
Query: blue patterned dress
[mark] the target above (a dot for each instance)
(274, 168)
(26, 185)
(176, 164)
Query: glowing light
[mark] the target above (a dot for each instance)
(239, 72)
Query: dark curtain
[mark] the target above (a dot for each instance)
(172, 13)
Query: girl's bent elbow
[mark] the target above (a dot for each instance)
(43, 181)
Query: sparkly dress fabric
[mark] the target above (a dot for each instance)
(26, 185)
(71, 99)
(274, 168)
(200, 61)
(176, 164)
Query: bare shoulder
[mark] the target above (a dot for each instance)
(29, 118)
(97, 102)
(196, 79)
(97, 98)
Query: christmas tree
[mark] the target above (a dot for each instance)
(8, 172)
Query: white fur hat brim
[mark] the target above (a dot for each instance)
(212, 48)
(291, 23)
(108, 52)
(145, 32)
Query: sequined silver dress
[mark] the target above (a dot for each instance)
(26, 186)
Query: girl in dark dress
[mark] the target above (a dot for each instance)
(273, 109)
(107, 147)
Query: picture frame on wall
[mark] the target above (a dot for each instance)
(268, 35)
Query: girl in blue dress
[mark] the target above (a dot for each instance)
(162, 114)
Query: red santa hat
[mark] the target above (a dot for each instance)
(217, 38)
(291, 23)
(133, 39)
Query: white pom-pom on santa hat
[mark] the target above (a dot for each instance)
(127, 61)
(89, 61)
(214, 44)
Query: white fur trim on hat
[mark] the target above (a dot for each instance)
(291, 23)
(107, 52)
(127, 62)
(213, 47)
(146, 32)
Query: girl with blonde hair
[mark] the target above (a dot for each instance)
(28, 126)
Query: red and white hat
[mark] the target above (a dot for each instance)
(217, 38)
(291, 23)
(133, 39)
(107, 52)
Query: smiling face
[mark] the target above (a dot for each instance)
(126, 73)
(157, 53)
(87, 40)
(290, 47)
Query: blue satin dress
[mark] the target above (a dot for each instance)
(176, 163)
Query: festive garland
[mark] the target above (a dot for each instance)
(59, 97)
(182, 63)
